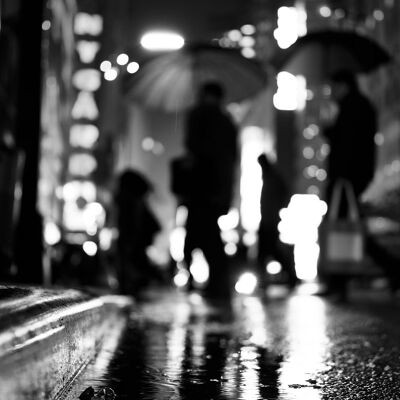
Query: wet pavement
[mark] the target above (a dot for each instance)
(300, 346)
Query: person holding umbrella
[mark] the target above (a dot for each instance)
(211, 144)
(352, 158)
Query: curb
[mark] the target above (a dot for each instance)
(47, 337)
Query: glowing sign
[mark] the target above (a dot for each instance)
(84, 136)
(87, 24)
(81, 164)
(87, 50)
(85, 106)
(88, 79)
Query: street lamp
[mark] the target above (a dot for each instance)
(162, 40)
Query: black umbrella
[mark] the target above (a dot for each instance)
(319, 54)
(170, 81)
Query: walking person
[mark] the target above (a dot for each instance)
(211, 144)
(274, 196)
(352, 158)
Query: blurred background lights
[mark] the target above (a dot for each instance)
(132, 67)
(291, 92)
(248, 52)
(246, 283)
(273, 267)
(378, 15)
(325, 11)
(111, 74)
(162, 40)
(122, 59)
(299, 226)
(52, 233)
(230, 249)
(248, 29)
(291, 24)
(235, 35)
(247, 41)
(46, 25)
(83, 135)
(87, 79)
(105, 65)
(229, 221)
(90, 248)
(181, 278)
(199, 267)
(308, 152)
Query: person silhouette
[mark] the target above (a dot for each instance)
(211, 143)
(274, 196)
(351, 137)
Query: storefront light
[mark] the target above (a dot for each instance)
(162, 40)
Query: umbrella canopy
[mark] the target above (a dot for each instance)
(170, 81)
(319, 54)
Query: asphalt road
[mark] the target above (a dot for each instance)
(285, 347)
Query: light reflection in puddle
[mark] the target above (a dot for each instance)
(308, 346)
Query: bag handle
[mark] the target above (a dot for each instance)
(352, 212)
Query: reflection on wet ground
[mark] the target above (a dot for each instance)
(300, 347)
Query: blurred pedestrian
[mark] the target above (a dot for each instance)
(211, 144)
(275, 195)
(352, 157)
(137, 227)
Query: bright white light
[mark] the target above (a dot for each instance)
(52, 234)
(291, 24)
(273, 267)
(181, 278)
(199, 267)
(230, 249)
(325, 11)
(83, 135)
(88, 24)
(81, 164)
(111, 74)
(247, 41)
(75, 189)
(105, 66)
(132, 67)
(229, 221)
(306, 260)
(251, 177)
(250, 239)
(148, 144)
(292, 93)
(85, 106)
(235, 35)
(106, 237)
(177, 243)
(181, 216)
(299, 226)
(248, 29)
(248, 52)
(88, 79)
(162, 41)
(246, 284)
(87, 50)
(122, 59)
(90, 248)
(46, 25)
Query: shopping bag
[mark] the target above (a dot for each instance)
(342, 238)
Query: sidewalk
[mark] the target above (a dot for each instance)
(47, 336)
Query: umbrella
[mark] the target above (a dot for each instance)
(319, 54)
(170, 81)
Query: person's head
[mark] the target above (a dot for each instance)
(342, 82)
(211, 92)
